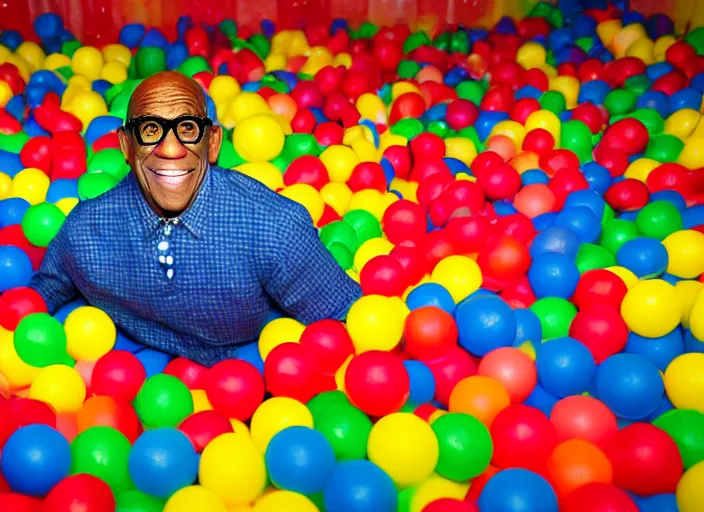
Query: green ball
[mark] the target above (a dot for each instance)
(620, 101)
(103, 453)
(228, 157)
(94, 184)
(194, 65)
(41, 222)
(439, 128)
(70, 47)
(341, 232)
(260, 45)
(346, 428)
(40, 340)
(617, 232)
(650, 118)
(364, 224)
(408, 128)
(13, 142)
(228, 27)
(407, 69)
(299, 144)
(111, 161)
(695, 37)
(686, 428)
(555, 315)
(590, 257)
(442, 41)
(343, 256)
(664, 148)
(638, 84)
(282, 160)
(404, 499)
(137, 501)
(465, 446)
(470, 133)
(414, 41)
(460, 42)
(471, 90)
(163, 401)
(553, 101)
(323, 401)
(150, 60)
(576, 136)
(659, 219)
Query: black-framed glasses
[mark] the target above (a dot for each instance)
(151, 130)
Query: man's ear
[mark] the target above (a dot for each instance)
(125, 144)
(214, 144)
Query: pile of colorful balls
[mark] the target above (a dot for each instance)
(523, 207)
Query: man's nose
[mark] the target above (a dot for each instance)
(171, 148)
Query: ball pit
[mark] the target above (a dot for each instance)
(521, 204)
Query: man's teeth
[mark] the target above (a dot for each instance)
(169, 173)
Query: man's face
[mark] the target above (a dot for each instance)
(170, 172)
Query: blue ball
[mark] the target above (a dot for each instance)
(487, 120)
(555, 239)
(630, 385)
(541, 399)
(553, 275)
(655, 71)
(422, 382)
(154, 37)
(657, 100)
(691, 343)
(594, 91)
(48, 25)
(697, 82)
(691, 217)
(61, 189)
(431, 294)
(528, 327)
(154, 361)
(360, 486)
(544, 221)
(100, 126)
(122, 342)
(517, 490)
(582, 221)
(176, 54)
(34, 459)
(11, 38)
(300, 459)
(67, 309)
(657, 503)
(645, 257)
(12, 210)
(485, 323)
(528, 91)
(686, 98)
(250, 353)
(15, 267)
(455, 166)
(660, 351)
(503, 209)
(162, 461)
(588, 198)
(534, 176)
(565, 367)
(131, 35)
(10, 163)
(598, 177)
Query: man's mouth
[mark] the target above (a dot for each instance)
(173, 177)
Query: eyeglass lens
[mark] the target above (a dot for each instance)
(151, 131)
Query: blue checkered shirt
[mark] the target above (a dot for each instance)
(237, 252)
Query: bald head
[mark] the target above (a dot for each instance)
(167, 94)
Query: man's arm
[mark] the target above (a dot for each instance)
(305, 280)
(52, 281)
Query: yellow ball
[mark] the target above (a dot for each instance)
(687, 291)
(318, 59)
(57, 60)
(86, 106)
(371, 107)
(274, 62)
(340, 161)
(32, 54)
(682, 123)
(370, 249)
(460, 275)
(684, 381)
(20, 64)
(247, 104)
(258, 138)
(644, 49)
(626, 275)
(87, 61)
(60, 386)
(114, 72)
(408, 189)
(374, 323)
(240, 428)
(90, 333)
(343, 59)
(692, 155)
(435, 488)
(685, 250)
(200, 401)
(399, 88)
(5, 93)
(405, 447)
(223, 88)
(568, 86)
(5, 185)
(661, 46)
(278, 331)
(625, 37)
(31, 185)
(18, 373)
(117, 53)
(274, 415)
(696, 317)
(193, 498)
(463, 149)
(531, 55)
(370, 200)
(264, 172)
(546, 120)
(233, 469)
(279, 501)
(641, 168)
(389, 139)
(512, 129)
(651, 308)
(67, 204)
(690, 489)
(366, 151)
(607, 30)
(337, 196)
(308, 197)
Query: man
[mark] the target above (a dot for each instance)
(185, 257)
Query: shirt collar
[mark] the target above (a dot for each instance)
(193, 218)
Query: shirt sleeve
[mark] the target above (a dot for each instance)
(52, 281)
(306, 281)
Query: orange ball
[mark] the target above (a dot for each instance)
(513, 368)
(106, 411)
(533, 200)
(502, 145)
(284, 105)
(576, 463)
(479, 396)
(429, 74)
(525, 161)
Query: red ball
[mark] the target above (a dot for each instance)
(523, 108)
(450, 505)
(192, 374)
(513, 368)
(628, 134)
(671, 82)
(328, 133)
(106, 411)
(519, 294)
(468, 233)
(537, 78)
(523, 438)
(454, 366)
(431, 187)
(565, 181)
(500, 182)
(377, 382)
(204, 426)
(504, 259)
(332, 342)
(335, 105)
(407, 105)
(119, 374)
(82, 492)
(307, 169)
(601, 329)
(8, 424)
(329, 78)
(645, 459)
(562, 160)
(14, 502)
(430, 333)
(235, 388)
(516, 225)
(599, 497)
(13, 235)
(484, 162)
(293, 370)
(388, 54)
(670, 176)
(367, 175)
(583, 417)
(437, 245)
(590, 115)
(404, 220)
(28, 411)
(427, 146)
(303, 121)
(461, 113)
(424, 169)
(499, 98)
(627, 195)
(307, 94)
(412, 260)
(463, 193)
(599, 287)
(37, 153)
(615, 162)
(383, 275)
(17, 303)
(400, 158)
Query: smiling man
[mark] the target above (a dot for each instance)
(186, 257)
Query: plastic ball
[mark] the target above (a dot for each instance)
(375, 323)
(460, 275)
(465, 446)
(513, 368)
(163, 401)
(76, 491)
(517, 489)
(103, 452)
(204, 426)
(17, 373)
(193, 497)
(553, 275)
(258, 138)
(599, 497)
(90, 333)
(684, 382)
(479, 396)
(118, 374)
(346, 428)
(429, 333)
(575, 463)
(30, 184)
(40, 340)
(359, 486)
(583, 417)
(600, 287)
(684, 427)
(332, 342)
(59, 386)
(279, 330)
(683, 250)
(377, 382)
(430, 294)
(284, 500)
(106, 411)
(274, 415)
(689, 490)
(383, 275)
(651, 308)
(485, 323)
(601, 329)
(293, 370)
(34, 459)
(405, 447)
